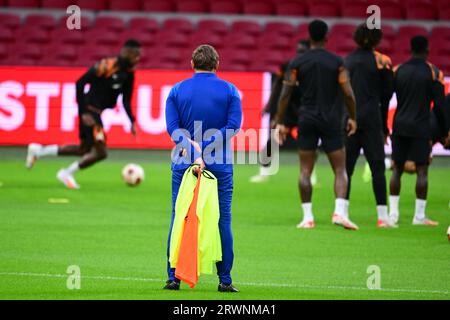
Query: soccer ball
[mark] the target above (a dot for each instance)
(133, 174)
(448, 233)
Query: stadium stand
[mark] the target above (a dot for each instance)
(259, 34)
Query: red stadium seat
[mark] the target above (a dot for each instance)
(23, 3)
(205, 37)
(58, 55)
(128, 5)
(263, 66)
(179, 25)
(408, 31)
(40, 21)
(391, 9)
(325, 8)
(273, 57)
(145, 38)
(216, 26)
(440, 47)
(282, 28)
(225, 6)
(235, 56)
(441, 33)
(192, 6)
(291, 8)
(261, 7)
(249, 27)
(143, 24)
(269, 41)
(172, 38)
(101, 37)
(68, 37)
(4, 52)
(9, 20)
(158, 6)
(302, 31)
(402, 46)
(171, 55)
(229, 66)
(92, 5)
(56, 4)
(354, 8)
(343, 30)
(399, 58)
(240, 40)
(112, 23)
(421, 9)
(26, 50)
(96, 52)
(389, 31)
(29, 34)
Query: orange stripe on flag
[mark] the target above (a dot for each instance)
(187, 266)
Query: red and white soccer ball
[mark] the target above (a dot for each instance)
(448, 233)
(133, 174)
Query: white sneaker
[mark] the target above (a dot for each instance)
(381, 223)
(343, 222)
(306, 224)
(424, 222)
(259, 178)
(67, 179)
(32, 154)
(394, 218)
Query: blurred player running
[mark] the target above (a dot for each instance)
(271, 108)
(108, 78)
(417, 83)
(372, 82)
(322, 78)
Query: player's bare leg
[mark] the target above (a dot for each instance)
(338, 161)
(36, 151)
(421, 196)
(394, 197)
(307, 161)
(97, 153)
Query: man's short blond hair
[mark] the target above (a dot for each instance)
(205, 57)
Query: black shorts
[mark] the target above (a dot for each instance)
(371, 140)
(410, 148)
(91, 135)
(309, 133)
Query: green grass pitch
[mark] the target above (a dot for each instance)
(117, 236)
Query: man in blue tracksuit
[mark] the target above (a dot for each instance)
(202, 114)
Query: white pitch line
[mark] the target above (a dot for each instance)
(254, 284)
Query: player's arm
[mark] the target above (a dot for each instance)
(290, 81)
(439, 104)
(127, 94)
(275, 91)
(181, 137)
(86, 78)
(387, 90)
(349, 99)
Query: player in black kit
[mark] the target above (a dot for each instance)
(108, 78)
(324, 86)
(417, 83)
(372, 82)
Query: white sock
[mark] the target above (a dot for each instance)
(347, 204)
(339, 207)
(51, 150)
(307, 211)
(393, 205)
(74, 167)
(420, 209)
(382, 212)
